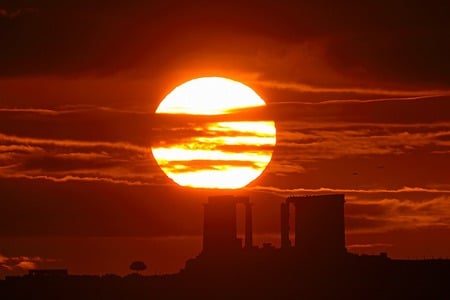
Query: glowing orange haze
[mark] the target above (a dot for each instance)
(226, 155)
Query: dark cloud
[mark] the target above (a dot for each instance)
(376, 42)
(414, 52)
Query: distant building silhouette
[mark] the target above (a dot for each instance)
(48, 273)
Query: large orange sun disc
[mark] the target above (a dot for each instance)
(222, 154)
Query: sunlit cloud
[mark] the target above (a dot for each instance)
(26, 265)
(20, 263)
(20, 148)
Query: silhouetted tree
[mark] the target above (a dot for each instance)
(138, 266)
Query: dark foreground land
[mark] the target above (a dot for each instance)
(356, 277)
(317, 266)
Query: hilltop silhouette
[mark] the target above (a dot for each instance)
(315, 266)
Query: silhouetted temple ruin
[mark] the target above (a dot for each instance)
(319, 225)
(220, 227)
(319, 237)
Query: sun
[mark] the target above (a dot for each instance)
(209, 143)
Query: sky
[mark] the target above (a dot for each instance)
(359, 92)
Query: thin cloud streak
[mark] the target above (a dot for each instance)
(30, 110)
(368, 246)
(72, 143)
(361, 125)
(68, 109)
(289, 192)
(77, 178)
(299, 87)
(425, 97)
(83, 156)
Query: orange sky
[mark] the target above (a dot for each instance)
(359, 93)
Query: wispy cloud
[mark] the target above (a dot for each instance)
(301, 87)
(72, 109)
(300, 142)
(368, 246)
(283, 192)
(71, 160)
(76, 178)
(19, 148)
(424, 97)
(83, 156)
(392, 213)
(71, 143)
(30, 110)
